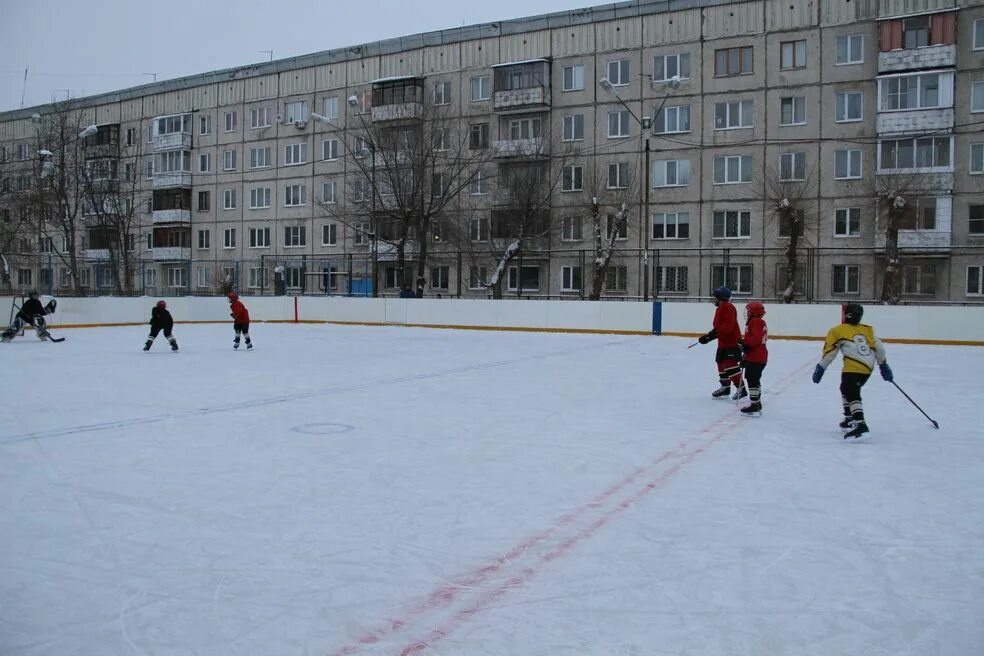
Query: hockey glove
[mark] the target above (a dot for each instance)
(818, 373)
(703, 339)
(886, 372)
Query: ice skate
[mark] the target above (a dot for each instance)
(753, 409)
(722, 392)
(846, 424)
(147, 345)
(858, 429)
(740, 394)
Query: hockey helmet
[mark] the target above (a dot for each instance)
(754, 309)
(162, 305)
(233, 297)
(853, 313)
(722, 293)
(32, 294)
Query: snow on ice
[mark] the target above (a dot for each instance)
(344, 490)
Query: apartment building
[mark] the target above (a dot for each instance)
(251, 174)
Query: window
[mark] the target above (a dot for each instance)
(46, 245)
(131, 136)
(977, 158)
(257, 277)
(229, 199)
(671, 173)
(733, 61)
(915, 32)
(479, 185)
(230, 121)
(439, 277)
(847, 279)
(667, 67)
(789, 219)
(977, 97)
(618, 72)
(918, 214)
(205, 162)
(149, 168)
(618, 175)
(732, 224)
(570, 228)
(440, 139)
(229, 238)
(671, 279)
(574, 77)
(329, 234)
(732, 169)
(228, 160)
(574, 127)
(847, 164)
(295, 195)
(733, 115)
(150, 132)
(177, 277)
(979, 34)
(478, 136)
(294, 236)
(329, 107)
(570, 278)
(174, 124)
(572, 178)
(850, 107)
(439, 185)
(672, 119)
(362, 232)
(737, 278)
(792, 54)
(922, 91)
(259, 117)
(204, 201)
(618, 123)
(524, 128)
(259, 237)
(203, 239)
(205, 124)
(919, 279)
(173, 161)
(925, 152)
(671, 225)
(617, 278)
(477, 276)
(850, 49)
(975, 224)
(481, 88)
(442, 93)
(329, 149)
(847, 222)
(479, 230)
(792, 111)
(203, 277)
(527, 279)
(259, 197)
(362, 191)
(296, 112)
(975, 275)
(295, 154)
(259, 158)
(792, 167)
(328, 192)
(620, 228)
(24, 277)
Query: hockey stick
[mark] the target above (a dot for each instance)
(931, 420)
(693, 345)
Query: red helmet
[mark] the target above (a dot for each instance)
(233, 296)
(161, 304)
(754, 309)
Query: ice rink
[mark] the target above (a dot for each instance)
(345, 491)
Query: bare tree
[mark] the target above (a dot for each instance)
(895, 195)
(788, 186)
(613, 194)
(15, 223)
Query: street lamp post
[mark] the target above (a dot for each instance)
(645, 123)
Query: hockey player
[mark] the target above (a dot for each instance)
(726, 331)
(33, 313)
(160, 319)
(756, 355)
(861, 350)
(240, 321)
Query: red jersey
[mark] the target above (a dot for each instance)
(756, 335)
(239, 312)
(726, 325)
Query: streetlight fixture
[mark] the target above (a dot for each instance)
(646, 124)
(48, 158)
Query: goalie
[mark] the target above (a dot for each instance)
(33, 313)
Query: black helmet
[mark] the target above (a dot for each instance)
(722, 293)
(853, 313)
(32, 294)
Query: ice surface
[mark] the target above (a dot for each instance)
(344, 490)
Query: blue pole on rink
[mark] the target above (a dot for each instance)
(657, 318)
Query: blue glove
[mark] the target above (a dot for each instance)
(818, 373)
(886, 372)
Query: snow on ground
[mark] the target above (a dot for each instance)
(346, 490)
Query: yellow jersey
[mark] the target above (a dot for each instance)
(861, 349)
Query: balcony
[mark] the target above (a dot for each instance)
(172, 141)
(409, 111)
(171, 216)
(171, 254)
(173, 180)
(915, 121)
(97, 254)
(923, 241)
(896, 61)
(521, 100)
(520, 149)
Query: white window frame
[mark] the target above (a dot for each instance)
(661, 67)
(229, 238)
(177, 277)
(205, 124)
(205, 162)
(295, 111)
(793, 163)
(513, 278)
(228, 199)
(743, 219)
(295, 154)
(231, 121)
(618, 72)
(361, 234)
(295, 195)
(576, 72)
(329, 230)
(441, 275)
(977, 41)
(329, 150)
(667, 220)
(936, 167)
(944, 93)
(477, 275)
(661, 173)
(229, 160)
(329, 106)
(678, 112)
(571, 228)
(568, 273)
(478, 185)
(850, 154)
(848, 39)
(622, 175)
(741, 283)
(571, 124)
(573, 174)
(329, 192)
(259, 198)
(745, 165)
(259, 158)
(622, 124)
(798, 103)
(442, 92)
(204, 239)
(977, 148)
(742, 111)
(843, 102)
(478, 229)
(974, 270)
(681, 272)
(977, 95)
(256, 278)
(480, 87)
(846, 272)
(852, 217)
(259, 118)
(203, 278)
(295, 236)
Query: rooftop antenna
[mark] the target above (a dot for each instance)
(154, 75)
(269, 52)
(24, 87)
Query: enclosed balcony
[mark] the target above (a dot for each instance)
(172, 254)
(925, 226)
(521, 86)
(172, 132)
(520, 149)
(171, 244)
(172, 169)
(919, 41)
(897, 61)
(398, 99)
(172, 206)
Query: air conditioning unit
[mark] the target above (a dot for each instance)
(280, 118)
(300, 125)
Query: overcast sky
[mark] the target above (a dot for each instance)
(84, 48)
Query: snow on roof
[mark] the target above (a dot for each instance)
(516, 63)
(396, 78)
